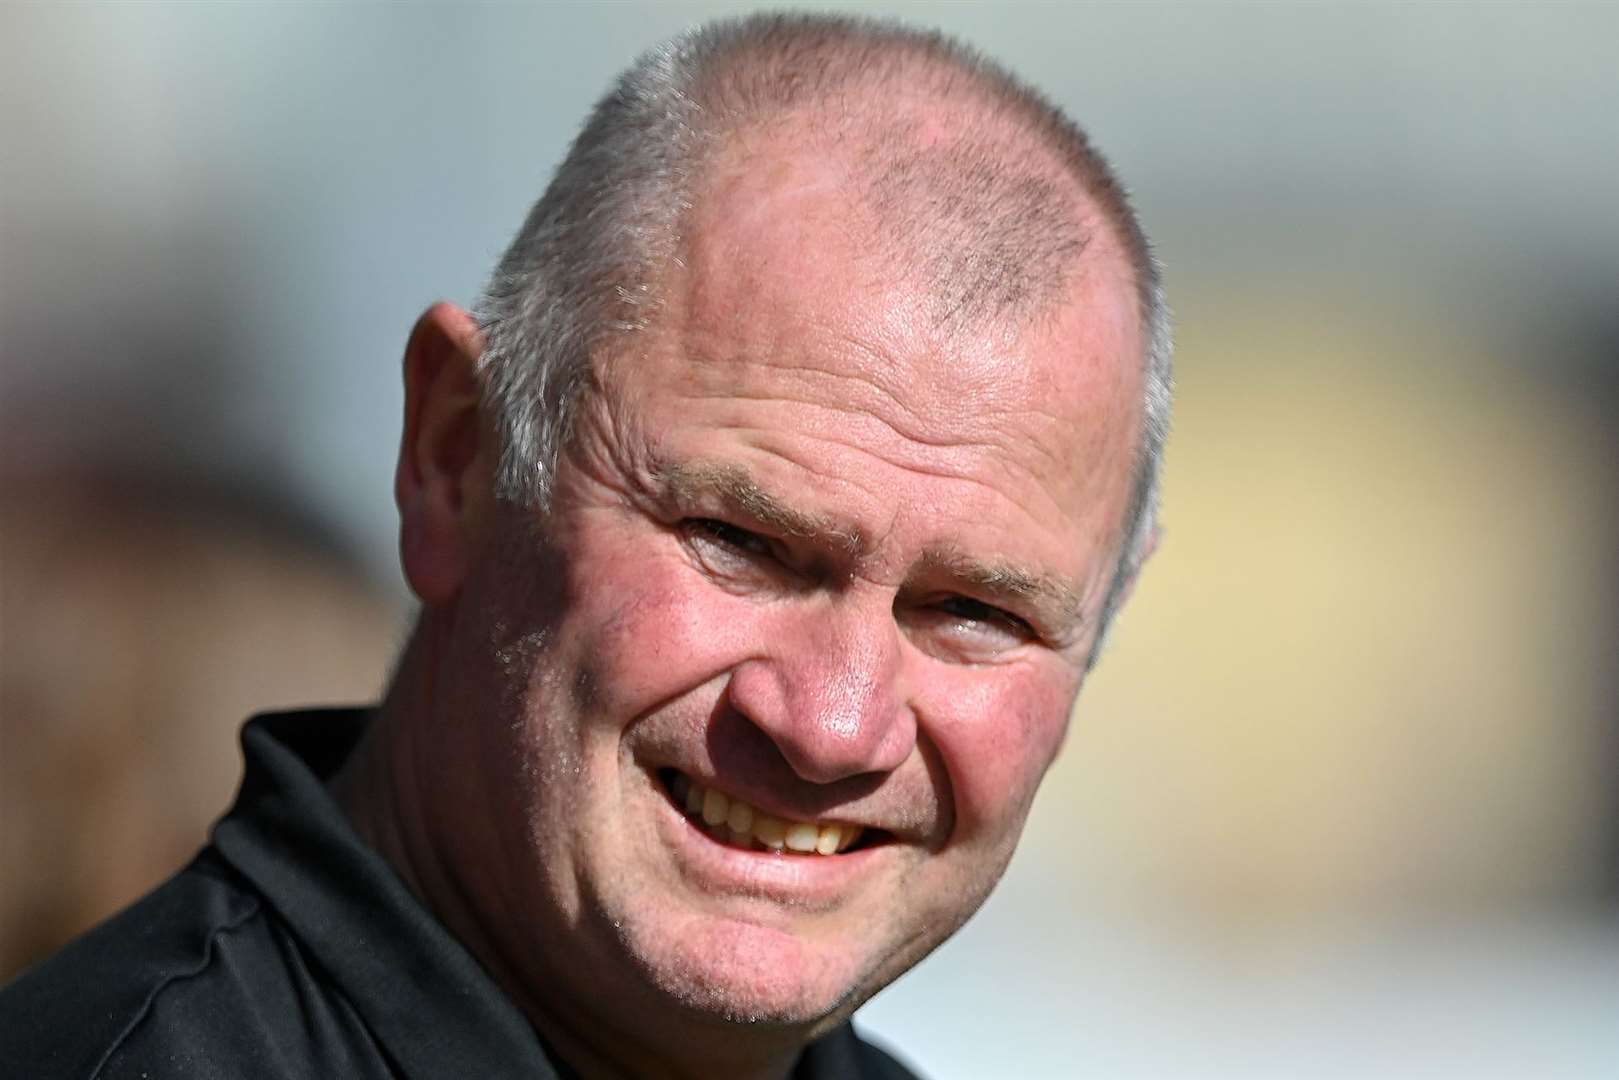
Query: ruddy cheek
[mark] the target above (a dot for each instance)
(660, 640)
(997, 757)
(998, 785)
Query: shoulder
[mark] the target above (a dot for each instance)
(187, 982)
(63, 1017)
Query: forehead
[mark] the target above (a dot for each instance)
(783, 324)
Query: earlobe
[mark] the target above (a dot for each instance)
(442, 483)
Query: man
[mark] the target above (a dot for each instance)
(765, 522)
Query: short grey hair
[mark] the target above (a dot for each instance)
(583, 269)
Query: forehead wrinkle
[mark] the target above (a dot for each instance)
(934, 466)
(688, 482)
(969, 418)
(917, 437)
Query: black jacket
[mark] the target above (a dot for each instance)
(288, 948)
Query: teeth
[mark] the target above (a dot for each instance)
(770, 831)
(801, 837)
(738, 822)
(716, 807)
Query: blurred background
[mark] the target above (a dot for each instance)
(1343, 799)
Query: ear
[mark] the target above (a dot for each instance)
(444, 482)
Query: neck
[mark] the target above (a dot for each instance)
(388, 797)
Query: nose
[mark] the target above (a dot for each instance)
(829, 693)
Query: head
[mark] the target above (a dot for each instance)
(777, 499)
(568, 285)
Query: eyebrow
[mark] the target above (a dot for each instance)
(1058, 607)
(689, 484)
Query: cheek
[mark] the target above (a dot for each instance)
(658, 635)
(996, 740)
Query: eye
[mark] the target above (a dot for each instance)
(738, 540)
(740, 558)
(969, 611)
(963, 630)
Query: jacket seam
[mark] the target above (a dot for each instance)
(203, 963)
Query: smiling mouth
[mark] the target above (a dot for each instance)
(738, 824)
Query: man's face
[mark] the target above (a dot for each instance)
(814, 556)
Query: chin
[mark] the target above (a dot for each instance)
(742, 973)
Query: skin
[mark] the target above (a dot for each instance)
(806, 549)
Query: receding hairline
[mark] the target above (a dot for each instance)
(983, 221)
(778, 66)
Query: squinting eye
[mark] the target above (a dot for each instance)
(740, 540)
(961, 630)
(966, 609)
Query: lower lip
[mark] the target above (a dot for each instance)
(800, 879)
